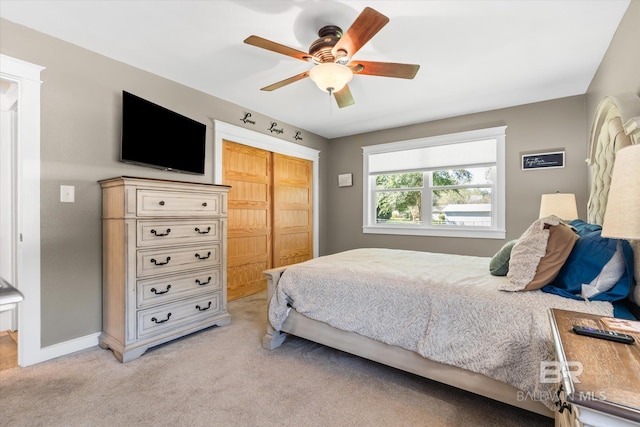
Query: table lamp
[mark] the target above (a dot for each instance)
(622, 216)
(562, 205)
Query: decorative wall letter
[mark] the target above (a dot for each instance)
(246, 120)
(274, 129)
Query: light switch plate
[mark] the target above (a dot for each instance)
(67, 193)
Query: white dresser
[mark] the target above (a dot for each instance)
(164, 262)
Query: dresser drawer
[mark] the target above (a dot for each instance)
(169, 316)
(175, 203)
(150, 262)
(167, 232)
(170, 288)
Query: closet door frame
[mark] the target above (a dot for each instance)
(225, 131)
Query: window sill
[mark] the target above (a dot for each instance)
(436, 232)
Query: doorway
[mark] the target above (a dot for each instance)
(296, 153)
(8, 142)
(249, 239)
(20, 92)
(270, 214)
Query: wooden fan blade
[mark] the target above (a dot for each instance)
(343, 97)
(277, 47)
(385, 69)
(366, 25)
(286, 81)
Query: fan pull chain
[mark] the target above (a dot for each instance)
(330, 103)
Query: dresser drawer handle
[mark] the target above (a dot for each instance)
(560, 404)
(203, 232)
(205, 308)
(153, 319)
(203, 283)
(153, 260)
(160, 292)
(155, 233)
(161, 203)
(203, 257)
(204, 204)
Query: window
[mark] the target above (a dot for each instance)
(448, 185)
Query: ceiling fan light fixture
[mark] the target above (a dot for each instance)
(330, 77)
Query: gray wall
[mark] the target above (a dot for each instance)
(619, 71)
(542, 126)
(80, 144)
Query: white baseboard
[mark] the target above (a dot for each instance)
(63, 348)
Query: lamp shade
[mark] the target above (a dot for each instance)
(622, 217)
(330, 77)
(562, 205)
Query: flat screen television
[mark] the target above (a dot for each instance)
(158, 137)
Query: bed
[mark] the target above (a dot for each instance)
(440, 316)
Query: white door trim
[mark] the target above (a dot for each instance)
(27, 182)
(8, 106)
(255, 139)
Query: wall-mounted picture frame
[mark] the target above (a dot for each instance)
(345, 180)
(549, 160)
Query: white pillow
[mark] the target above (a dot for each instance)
(608, 276)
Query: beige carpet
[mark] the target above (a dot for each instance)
(223, 377)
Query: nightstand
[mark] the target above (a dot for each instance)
(600, 380)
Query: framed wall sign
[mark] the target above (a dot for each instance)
(554, 159)
(345, 180)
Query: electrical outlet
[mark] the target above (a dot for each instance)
(67, 193)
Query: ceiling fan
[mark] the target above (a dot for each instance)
(332, 55)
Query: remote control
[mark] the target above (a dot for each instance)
(603, 334)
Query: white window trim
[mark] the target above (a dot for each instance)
(498, 232)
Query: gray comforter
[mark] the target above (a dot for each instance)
(447, 308)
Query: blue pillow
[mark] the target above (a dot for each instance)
(583, 228)
(589, 255)
(621, 311)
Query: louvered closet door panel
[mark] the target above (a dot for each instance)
(248, 171)
(293, 210)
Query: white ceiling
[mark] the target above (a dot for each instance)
(473, 55)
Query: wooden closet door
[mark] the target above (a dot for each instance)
(293, 210)
(248, 171)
